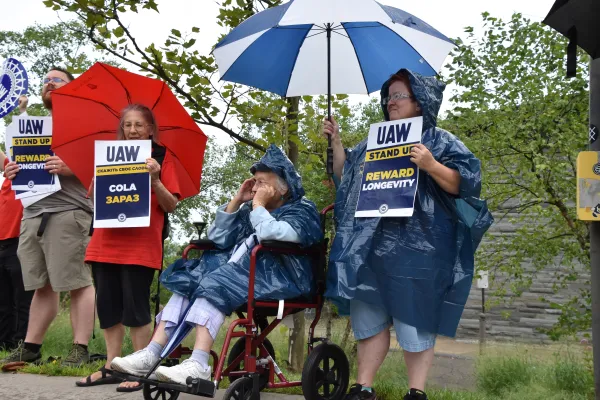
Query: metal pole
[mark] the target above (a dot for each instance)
(595, 226)
(329, 148)
(482, 323)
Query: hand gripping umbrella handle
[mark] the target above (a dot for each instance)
(329, 156)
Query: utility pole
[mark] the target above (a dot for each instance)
(595, 225)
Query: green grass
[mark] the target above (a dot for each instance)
(514, 376)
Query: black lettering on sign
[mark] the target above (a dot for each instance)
(34, 127)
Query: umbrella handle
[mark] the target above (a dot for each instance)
(329, 157)
(329, 148)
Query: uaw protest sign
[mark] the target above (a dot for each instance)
(31, 139)
(122, 184)
(389, 181)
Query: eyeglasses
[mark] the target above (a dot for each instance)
(54, 80)
(127, 126)
(396, 96)
(260, 183)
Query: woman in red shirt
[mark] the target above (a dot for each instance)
(124, 259)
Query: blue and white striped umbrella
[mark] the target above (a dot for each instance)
(285, 49)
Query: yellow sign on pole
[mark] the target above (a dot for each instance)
(588, 186)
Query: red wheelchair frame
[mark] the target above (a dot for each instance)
(326, 371)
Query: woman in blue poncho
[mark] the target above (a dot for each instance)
(413, 273)
(269, 206)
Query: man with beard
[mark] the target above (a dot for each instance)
(54, 236)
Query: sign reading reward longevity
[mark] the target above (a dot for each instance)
(31, 141)
(122, 184)
(389, 181)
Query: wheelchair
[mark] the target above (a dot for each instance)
(250, 363)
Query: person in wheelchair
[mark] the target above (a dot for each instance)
(269, 206)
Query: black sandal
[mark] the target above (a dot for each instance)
(140, 386)
(106, 379)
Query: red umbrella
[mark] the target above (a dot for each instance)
(89, 109)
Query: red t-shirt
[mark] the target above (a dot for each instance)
(137, 246)
(11, 211)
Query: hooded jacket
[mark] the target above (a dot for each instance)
(224, 283)
(419, 269)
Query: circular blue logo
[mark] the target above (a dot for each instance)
(13, 84)
(121, 217)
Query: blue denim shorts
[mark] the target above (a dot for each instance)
(368, 320)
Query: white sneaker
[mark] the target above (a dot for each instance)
(179, 373)
(138, 363)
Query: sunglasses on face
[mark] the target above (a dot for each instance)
(396, 97)
(53, 80)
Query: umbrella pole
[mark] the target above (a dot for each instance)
(595, 226)
(329, 148)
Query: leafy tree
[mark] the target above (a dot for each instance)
(517, 111)
(40, 47)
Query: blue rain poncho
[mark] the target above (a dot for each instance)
(225, 284)
(419, 268)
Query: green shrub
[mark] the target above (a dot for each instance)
(494, 375)
(571, 375)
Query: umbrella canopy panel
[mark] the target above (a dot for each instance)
(284, 49)
(89, 109)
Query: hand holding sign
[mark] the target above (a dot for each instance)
(55, 165)
(23, 101)
(153, 169)
(422, 157)
(11, 170)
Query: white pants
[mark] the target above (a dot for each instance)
(202, 313)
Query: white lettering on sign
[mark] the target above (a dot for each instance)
(122, 188)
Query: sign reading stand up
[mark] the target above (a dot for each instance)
(389, 181)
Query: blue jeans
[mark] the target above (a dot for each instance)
(368, 320)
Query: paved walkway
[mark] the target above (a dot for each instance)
(453, 368)
(36, 387)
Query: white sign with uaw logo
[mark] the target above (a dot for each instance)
(13, 84)
(31, 140)
(122, 184)
(389, 180)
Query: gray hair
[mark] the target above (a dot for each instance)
(148, 117)
(282, 185)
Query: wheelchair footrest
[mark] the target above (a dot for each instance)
(196, 387)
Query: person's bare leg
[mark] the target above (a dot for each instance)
(371, 353)
(204, 340)
(160, 336)
(140, 337)
(44, 308)
(417, 366)
(82, 313)
(113, 337)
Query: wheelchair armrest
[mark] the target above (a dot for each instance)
(203, 243)
(289, 248)
(274, 244)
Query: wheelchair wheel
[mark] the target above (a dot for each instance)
(326, 373)
(153, 392)
(241, 389)
(238, 348)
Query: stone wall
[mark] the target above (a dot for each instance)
(520, 319)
